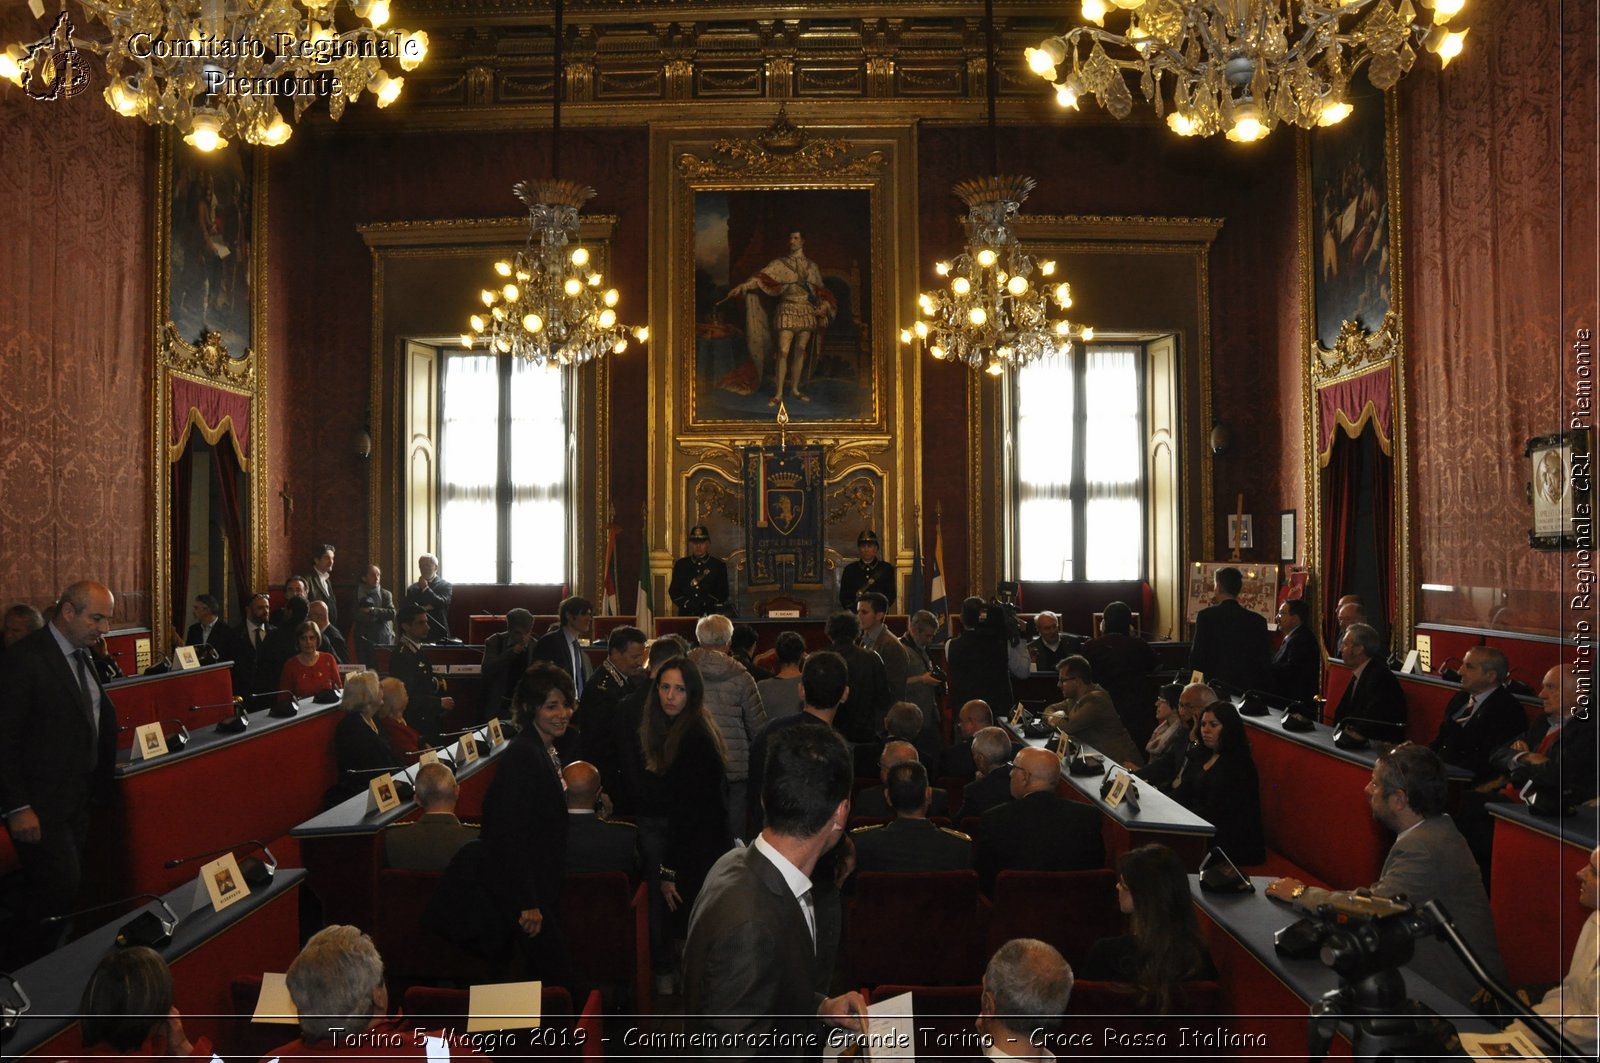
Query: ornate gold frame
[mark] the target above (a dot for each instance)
(878, 157)
(208, 363)
(1357, 351)
(480, 240)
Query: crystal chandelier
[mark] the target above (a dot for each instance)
(1241, 66)
(549, 307)
(995, 313)
(220, 69)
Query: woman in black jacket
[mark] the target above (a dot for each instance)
(359, 746)
(1165, 948)
(1219, 783)
(687, 772)
(524, 833)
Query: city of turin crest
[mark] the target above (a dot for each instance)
(786, 503)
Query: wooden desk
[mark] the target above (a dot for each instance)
(218, 791)
(343, 847)
(1533, 891)
(208, 950)
(1160, 818)
(171, 696)
(1269, 995)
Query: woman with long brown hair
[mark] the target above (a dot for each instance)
(686, 783)
(1165, 948)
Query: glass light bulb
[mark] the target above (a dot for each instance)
(277, 132)
(611, 297)
(1334, 113)
(580, 256)
(1087, 334)
(413, 50)
(466, 341)
(488, 297)
(977, 315)
(905, 335)
(1040, 63)
(608, 317)
(1017, 285)
(503, 268)
(206, 134)
(1047, 268)
(942, 268)
(961, 286)
(937, 351)
(511, 292)
(498, 313)
(573, 286)
(995, 369)
(533, 322)
(387, 88)
(1064, 294)
(642, 334)
(595, 280)
(477, 322)
(1445, 10)
(1182, 124)
(503, 345)
(921, 329)
(986, 258)
(1067, 95)
(620, 346)
(1094, 11)
(1063, 328)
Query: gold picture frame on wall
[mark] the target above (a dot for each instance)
(1352, 321)
(208, 307)
(779, 248)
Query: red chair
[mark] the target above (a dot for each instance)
(560, 1035)
(944, 1016)
(607, 923)
(411, 952)
(945, 915)
(1069, 909)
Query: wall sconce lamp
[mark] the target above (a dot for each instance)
(363, 443)
(1221, 437)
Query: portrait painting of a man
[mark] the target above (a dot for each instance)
(783, 305)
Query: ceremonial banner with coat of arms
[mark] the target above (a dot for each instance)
(783, 498)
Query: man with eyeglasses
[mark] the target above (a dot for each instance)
(58, 732)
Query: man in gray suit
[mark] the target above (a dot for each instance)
(431, 841)
(748, 964)
(1430, 860)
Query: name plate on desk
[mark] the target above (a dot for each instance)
(496, 735)
(1118, 789)
(783, 614)
(220, 883)
(148, 741)
(463, 669)
(186, 658)
(468, 747)
(428, 756)
(381, 794)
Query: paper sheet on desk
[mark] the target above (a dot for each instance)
(891, 1031)
(274, 1005)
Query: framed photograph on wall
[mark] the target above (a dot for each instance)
(1559, 487)
(1286, 536)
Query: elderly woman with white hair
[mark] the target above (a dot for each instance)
(734, 703)
(359, 745)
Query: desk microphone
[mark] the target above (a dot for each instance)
(257, 873)
(1448, 674)
(402, 785)
(237, 705)
(146, 928)
(464, 731)
(443, 754)
(14, 1003)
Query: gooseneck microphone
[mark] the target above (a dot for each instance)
(257, 873)
(146, 928)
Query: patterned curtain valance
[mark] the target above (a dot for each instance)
(1350, 404)
(214, 412)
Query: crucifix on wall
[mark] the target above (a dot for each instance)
(288, 505)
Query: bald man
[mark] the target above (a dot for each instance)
(58, 733)
(956, 761)
(1555, 760)
(1038, 831)
(874, 802)
(594, 842)
(1571, 1006)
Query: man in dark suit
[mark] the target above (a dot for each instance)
(870, 573)
(1038, 831)
(1482, 717)
(910, 842)
(1297, 666)
(1374, 693)
(333, 640)
(1557, 754)
(319, 585)
(991, 754)
(563, 647)
(979, 659)
(1429, 861)
(426, 708)
(823, 685)
(1230, 642)
(595, 842)
(599, 738)
(956, 762)
(209, 630)
(430, 842)
(58, 737)
(431, 593)
(861, 715)
(1051, 645)
(699, 584)
(749, 967)
(248, 640)
(877, 802)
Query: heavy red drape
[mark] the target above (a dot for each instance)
(1340, 479)
(182, 473)
(230, 510)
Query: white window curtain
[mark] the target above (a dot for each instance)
(468, 457)
(538, 475)
(1044, 468)
(1113, 456)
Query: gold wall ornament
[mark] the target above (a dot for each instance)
(1356, 351)
(782, 150)
(859, 493)
(715, 498)
(209, 359)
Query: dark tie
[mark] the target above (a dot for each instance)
(577, 668)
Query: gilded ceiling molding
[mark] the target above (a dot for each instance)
(1356, 351)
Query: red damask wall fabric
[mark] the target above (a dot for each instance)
(75, 336)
